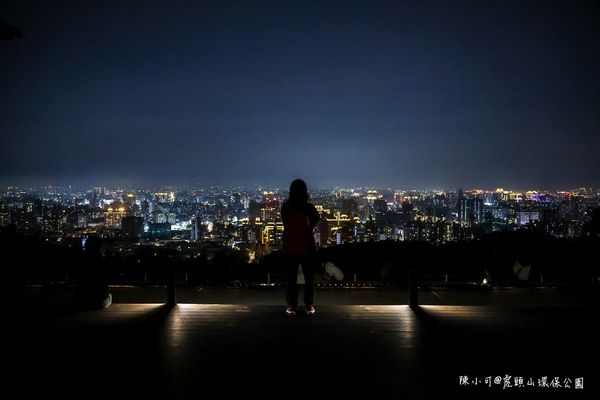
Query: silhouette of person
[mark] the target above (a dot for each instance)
(91, 291)
(13, 249)
(299, 218)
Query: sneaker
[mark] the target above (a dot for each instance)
(290, 310)
(310, 310)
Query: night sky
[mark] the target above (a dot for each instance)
(390, 94)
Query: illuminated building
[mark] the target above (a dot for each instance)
(476, 210)
(514, 196)
(82, 221)
(113, 215)
(270, 214)
(413, 231)
(160, 218)
(270, 210)
(197, 229)
(272, 234)
(339, 224)
(436, 232)
(526, 217)
(372, 195)
(464, 214)
(470, 210)
(448, 233)
(96, 196)
(366, 213)
(491, 199)
(245, 202)
(532, 195)
(160, 230)
(432, 232)
(461, 232)
(164, 197)
(270, 200)
(130, 201)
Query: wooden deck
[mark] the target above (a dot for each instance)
(195, 351)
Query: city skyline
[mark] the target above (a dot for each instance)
(251, 219)
(378, 94)
(259, 188)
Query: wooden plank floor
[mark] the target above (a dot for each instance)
(230, 350)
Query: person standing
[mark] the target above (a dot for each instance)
(91, 284)
(299, 218)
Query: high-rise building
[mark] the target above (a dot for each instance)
(476, 206)
(270, 214)
(130, 202)
(470, 210)
(197, 229)
(271, 200)
(460, 195)
(272, 234)
(114, 214)
(367, 213)
(323, 232)
(464, 213)
(372, 195)
(95, 197)
(413, 231)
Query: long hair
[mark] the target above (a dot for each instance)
(298, 192)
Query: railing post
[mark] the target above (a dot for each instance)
(171, 286)
(413, 287)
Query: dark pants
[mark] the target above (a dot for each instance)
(308, 263)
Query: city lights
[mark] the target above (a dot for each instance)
(250, 221)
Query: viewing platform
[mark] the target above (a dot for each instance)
(238, 342)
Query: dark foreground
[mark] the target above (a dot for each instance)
(196, 351)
